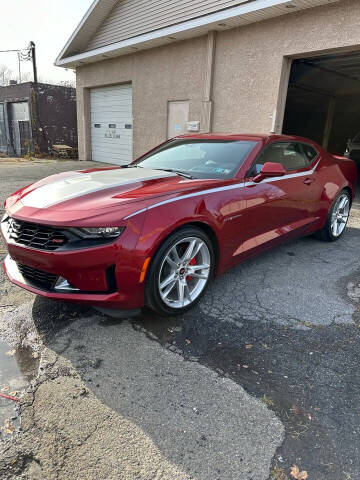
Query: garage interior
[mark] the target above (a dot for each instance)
(323, 100)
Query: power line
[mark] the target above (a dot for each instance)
(16, 50)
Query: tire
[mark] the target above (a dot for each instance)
(330, 233)
(175, 263)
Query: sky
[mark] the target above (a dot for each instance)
(48, 23)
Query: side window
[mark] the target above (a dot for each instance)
(291, 155)
(309, 152)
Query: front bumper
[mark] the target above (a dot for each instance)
(15, 276)
(87, 270)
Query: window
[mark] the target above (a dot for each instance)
(200, 158)
(309, 151)
(292, 155)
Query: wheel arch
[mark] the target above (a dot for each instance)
(205, 227)
(350, 192)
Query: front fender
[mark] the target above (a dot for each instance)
(162, 220)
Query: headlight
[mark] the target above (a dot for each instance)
(101, 232)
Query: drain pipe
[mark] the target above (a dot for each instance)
(208, 104)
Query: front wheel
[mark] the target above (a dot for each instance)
(180, 272)
(337, 218)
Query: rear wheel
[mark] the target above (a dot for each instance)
(180, 272)
(337, 218)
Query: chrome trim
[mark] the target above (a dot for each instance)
(223, 189)
(62, 285)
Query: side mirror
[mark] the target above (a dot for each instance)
(269, 170)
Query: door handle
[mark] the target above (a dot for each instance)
(308, 181)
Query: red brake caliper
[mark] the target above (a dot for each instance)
(192, 262)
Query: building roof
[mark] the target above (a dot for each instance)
(112, 28)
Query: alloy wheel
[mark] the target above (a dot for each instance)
(184, 272)
(340, 215)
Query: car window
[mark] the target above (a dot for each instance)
(292, 155)
(310, 152)
(199, 158)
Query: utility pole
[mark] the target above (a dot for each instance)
(19, 60)
(36, 118)
(33, 56)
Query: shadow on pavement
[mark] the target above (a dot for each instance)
(281, 326)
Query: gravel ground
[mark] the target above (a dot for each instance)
(262, 375)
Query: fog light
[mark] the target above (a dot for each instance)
(63, 285)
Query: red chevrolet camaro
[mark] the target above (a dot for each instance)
(154, 232)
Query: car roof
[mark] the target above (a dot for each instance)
(257, 137)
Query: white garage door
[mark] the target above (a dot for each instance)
(111, 124)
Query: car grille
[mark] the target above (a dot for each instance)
(34, 235)
(38, 278)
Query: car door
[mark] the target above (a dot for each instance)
(281, 206)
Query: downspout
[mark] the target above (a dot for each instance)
(208, 103)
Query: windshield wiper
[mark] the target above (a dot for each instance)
(179, 172)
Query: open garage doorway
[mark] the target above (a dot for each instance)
(323, 100)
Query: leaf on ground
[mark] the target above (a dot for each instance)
(278, 473)
(268, 401)
(297, 410)
(11, 353)
(295, 473)
(9, 427)
(35, 354)
(188, 341)
(245, 366)
(14, 393)
(5, 389)
(248, 346)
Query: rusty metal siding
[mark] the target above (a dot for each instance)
(52, 122)
(130, 18)
(15, 93)
(57, 116)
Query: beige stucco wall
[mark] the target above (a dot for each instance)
(249, 61)
(173, 72)
(249, 80)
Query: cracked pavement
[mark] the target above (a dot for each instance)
(261, 375)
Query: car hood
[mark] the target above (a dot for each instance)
(71, 196)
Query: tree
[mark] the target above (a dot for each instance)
(68, 83)
(5, 75)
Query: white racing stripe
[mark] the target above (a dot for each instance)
(85, 183)
(223, 189)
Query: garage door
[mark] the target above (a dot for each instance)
(111, 124)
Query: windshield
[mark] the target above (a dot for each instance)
(199, 158)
